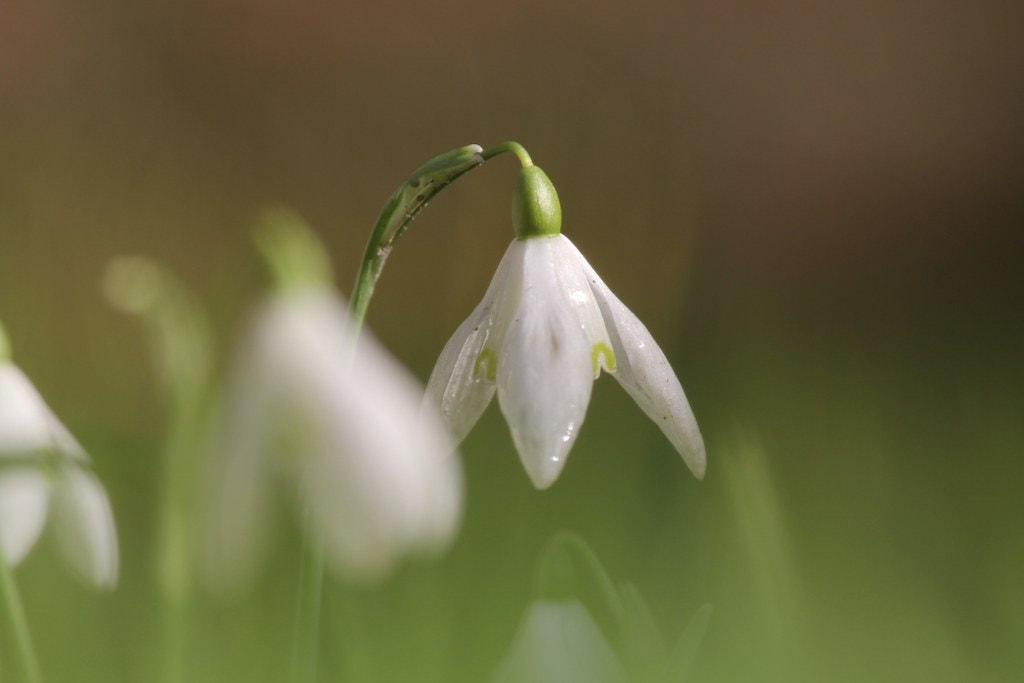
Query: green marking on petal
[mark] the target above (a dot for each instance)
(596, 352)
(486, 365)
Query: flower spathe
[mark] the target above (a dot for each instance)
(45, 475)
(545, 329)
(377, 479)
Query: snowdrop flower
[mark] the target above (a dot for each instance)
(545, 329)
(558, 641)
(45, 474)
(341, 426)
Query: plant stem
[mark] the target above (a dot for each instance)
(15, 616)
(180, 351)
(177, 523)
(307, 608)
(508, 146)
(399, 211)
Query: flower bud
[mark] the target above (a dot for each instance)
(293, 254)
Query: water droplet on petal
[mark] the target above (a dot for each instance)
(565, 437)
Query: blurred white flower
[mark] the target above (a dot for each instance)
(44, 472)
(558, 641)
(343, 428)
(544, 330)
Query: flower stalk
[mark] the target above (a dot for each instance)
(180, 349)
(508, 146)
(14, 613)
(398, 213)
(376, 479)
(306, 635)
(407, 201)
(295, 260)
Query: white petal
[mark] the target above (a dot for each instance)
(545, 372)
(379, 476)
(84, 525)
(63, 441)
(573, 280)
(555, 643)
(24, 418)
(455, 387)
(441, 488)
(238, 500)
(462, 382)
(385, 479)
(24, 493)
(27, 425)
(646, 375)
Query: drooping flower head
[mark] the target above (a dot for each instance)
(45, 475)
(546, 328)
(337, 421)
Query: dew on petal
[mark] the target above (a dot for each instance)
(565, 439)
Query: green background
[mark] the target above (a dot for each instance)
(816, 209)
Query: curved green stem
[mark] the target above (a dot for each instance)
(10, 600)
(508, 146)
(406, 202)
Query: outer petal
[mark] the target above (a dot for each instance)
(646, 375)
(27, 425)
(24, 417)
(63, 441)
(24, 493)
(545, 372)
(558, 642)
(238, 500)
(381, 477)
(454, 387)
(462, 382)
(84, 525)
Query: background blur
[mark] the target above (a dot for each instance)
(816, 209)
